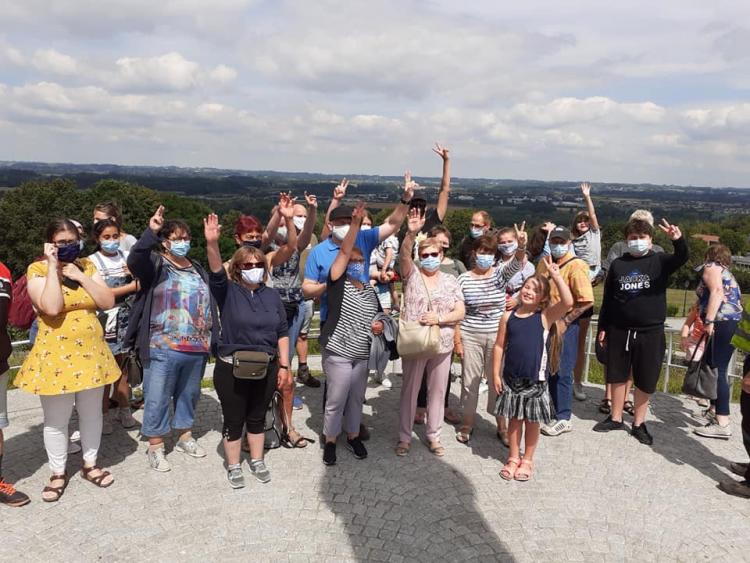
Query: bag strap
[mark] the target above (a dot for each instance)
(703, 337)
(426, 290)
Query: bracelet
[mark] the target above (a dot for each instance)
(404, 201)
(707, 322)
(284, 367)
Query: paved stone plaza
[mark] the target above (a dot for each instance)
(594, 497)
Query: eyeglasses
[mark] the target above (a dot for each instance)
(428, 254)
(251, 265)
(477, 225)
(64, 243)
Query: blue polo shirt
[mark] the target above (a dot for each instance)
(322, 256)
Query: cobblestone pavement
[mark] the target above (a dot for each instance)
(594, 497)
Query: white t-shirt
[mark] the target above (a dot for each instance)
(378, 255)
(114, 266)
(127, 242)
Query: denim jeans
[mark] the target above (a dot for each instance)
(561, 383)
(171, 377)
(294, 329)
(718, 354)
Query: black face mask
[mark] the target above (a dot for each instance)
(251, 243)
(69, 253)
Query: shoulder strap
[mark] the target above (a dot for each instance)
(561, 266)
(426, 289)
(98, 260)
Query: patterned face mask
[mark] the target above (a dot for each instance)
(355, 270)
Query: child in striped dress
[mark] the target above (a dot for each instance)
(521, 348)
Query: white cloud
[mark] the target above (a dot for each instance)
(165, 72)
(50, 60)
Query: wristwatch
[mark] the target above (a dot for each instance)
(404, 201)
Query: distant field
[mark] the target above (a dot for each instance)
(675, 297)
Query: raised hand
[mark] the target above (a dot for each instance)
(415, 221)
(548, 226)
(586, 189)
(311, 200)
(286, 205)
(211, 228)
(521, 235)
(50, 252)
(409, 186)
(442, 151)
(552, 268)
(340, 191)
(673, 231)
(358, 213)
(157, 220)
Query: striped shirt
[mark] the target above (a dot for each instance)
(484, 298)
(353, 333)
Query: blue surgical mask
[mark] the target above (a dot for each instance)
(485, 261)
(639, 246)
(179, 248)
(558, 250)
(431, 263)
(476, 233)
(508, 248)
(110, 246)
(355, 270)
(69, 253)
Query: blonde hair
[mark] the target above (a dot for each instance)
(643, 215)
(429, 241)
(241, 255)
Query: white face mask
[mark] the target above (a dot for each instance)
(339, 233)
(365, 228)
(299, 222)
(254, 276)
(639, 246)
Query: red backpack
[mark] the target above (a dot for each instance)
(21, 313)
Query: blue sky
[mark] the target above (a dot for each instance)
(637, 91)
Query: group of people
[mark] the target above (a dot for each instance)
(514, 308)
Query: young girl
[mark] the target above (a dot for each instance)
(110, 261)
(522, 344)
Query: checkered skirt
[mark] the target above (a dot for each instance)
(525, 400)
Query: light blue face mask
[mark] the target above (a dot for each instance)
(639, 246)
(558, 250)
(355, 270)
(476, 233)
(431, 263)
(508, 248)
(179, 248)
(485, 261)
(110, 246)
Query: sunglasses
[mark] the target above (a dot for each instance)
(477, 226)
(428, 254)
(251, 265)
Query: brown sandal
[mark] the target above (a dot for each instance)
(58, 491)
(436, 448)
(464, 434)
(86, 474)
(296, 440)
(402, 449)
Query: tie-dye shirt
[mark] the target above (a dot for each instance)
(181, 311)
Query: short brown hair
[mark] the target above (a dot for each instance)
(580, 216)
(638, 227)
(440, 230)
(486, 219)
(240, 256)
(485, 242)
(720, 254)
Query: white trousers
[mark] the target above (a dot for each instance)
(57, 410)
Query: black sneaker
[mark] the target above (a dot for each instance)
(306, 378)
(364, 433)
(608, 424)
(329, 453)
(10, 496)
(641, 434)
(357, 447)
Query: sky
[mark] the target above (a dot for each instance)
(579, 90)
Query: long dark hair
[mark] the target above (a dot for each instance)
(58, 225)
(99, 228)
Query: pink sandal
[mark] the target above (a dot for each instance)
(509, 469)
(528, 473)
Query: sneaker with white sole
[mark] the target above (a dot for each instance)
(190, 447)
(578, 392)
(126, 418)
(704, 416)
(259, 470)
(157, 459)
(235, 476)
(386, 382)
(559, 427)
(714, 430)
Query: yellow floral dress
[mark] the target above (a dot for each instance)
(69, 352)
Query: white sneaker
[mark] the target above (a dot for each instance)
(559, 427)
(386, 382)
(190, 447)
(578, 392)
(483, 387)
(126, 417)
(157, 459)
(107, 424)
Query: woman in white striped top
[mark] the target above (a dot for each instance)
(484, 289)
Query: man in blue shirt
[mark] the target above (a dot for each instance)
(322, 256)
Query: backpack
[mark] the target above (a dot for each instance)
(21, 313)
(274, 429)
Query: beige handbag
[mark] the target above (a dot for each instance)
(415, 340)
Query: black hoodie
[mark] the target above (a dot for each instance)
(635, 292)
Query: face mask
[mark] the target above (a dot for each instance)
(299, 222)
(179, 248)
(339, 233)
(485, 261)
(558, 250)
(251, 243)
(282, 233)
(476, 233)
(69, 253)
(110, 246)
(254, 276)
(431, 263)
(365, 227)
(508, 248)
(638, 247)
(355, 270)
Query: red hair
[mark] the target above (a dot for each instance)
(247, 224)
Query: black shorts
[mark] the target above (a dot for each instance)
(636, 350)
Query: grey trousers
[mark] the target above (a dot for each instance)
(347, 382)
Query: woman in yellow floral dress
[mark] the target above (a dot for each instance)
(70, 362)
